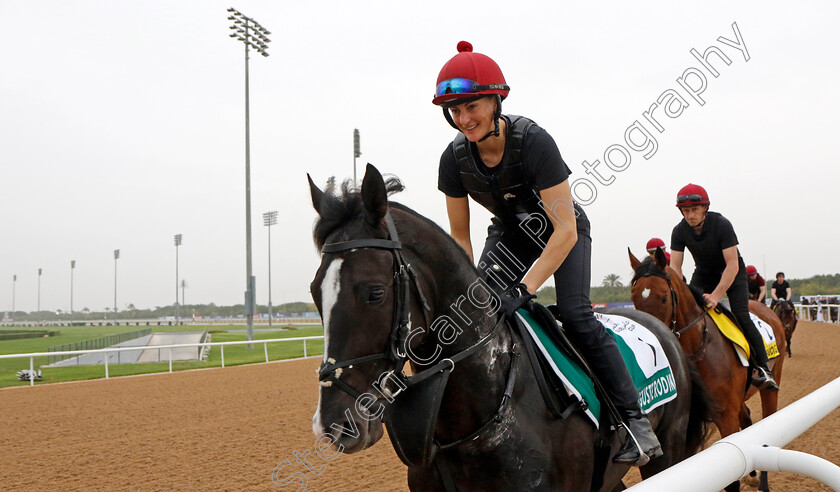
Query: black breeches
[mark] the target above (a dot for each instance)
(739, 302)
(571, 281)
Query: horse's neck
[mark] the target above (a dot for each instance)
(687, 310)
(476, 385)
(477, 382)
(460, 306)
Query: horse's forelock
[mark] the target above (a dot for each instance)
(344, 208)
(647, 268)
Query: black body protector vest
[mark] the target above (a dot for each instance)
(506, 193)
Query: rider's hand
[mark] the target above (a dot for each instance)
(514, 299)
(711, 300)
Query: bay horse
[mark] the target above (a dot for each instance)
(393, 287)
(787, 314)
(658, 290)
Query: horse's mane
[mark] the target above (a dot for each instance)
(338, 210)
(649, 268)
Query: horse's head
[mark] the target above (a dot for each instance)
(651, 288)
(354, 291)
(787, 314)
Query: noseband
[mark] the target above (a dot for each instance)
(400, 327)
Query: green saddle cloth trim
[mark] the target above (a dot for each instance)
(654, 390)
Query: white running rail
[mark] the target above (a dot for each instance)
(170, 347)
(756, 448)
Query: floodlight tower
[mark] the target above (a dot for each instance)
(116, 257)
(14, 281)
(178, 238)
(72, 267)
(39, 290)
(255, 36)
(269, 219)
(357, 152)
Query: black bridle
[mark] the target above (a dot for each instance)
(396, 351)
(673, 324)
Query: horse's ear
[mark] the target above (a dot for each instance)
(317, 194)
(373, 195)
(659, 257)
(634, 262)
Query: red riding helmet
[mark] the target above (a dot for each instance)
(692, 194)
(655, 243)
(467, 75)
(751, 270)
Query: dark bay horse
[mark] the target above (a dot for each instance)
(658, 290)
(787, 314)
(392, 288)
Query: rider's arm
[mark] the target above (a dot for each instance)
(761, 292)
(458, 210)
(773, 292)
(730, 255)
(557, 202)
(676, 262)
(788, 293)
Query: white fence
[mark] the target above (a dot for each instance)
(222, 345)
(756, 448)
(818, 312)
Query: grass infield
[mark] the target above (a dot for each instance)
(234, 354)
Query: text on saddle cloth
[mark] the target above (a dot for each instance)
(641, 350)
(733, 333)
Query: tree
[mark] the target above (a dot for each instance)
(612, 281)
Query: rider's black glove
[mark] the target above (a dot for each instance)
(515, 298)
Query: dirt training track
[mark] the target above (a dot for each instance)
(227, 429)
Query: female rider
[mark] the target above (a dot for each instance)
(513, 168)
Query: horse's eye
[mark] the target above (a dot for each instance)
(664, 299)
(377, 294)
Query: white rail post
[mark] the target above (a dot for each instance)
(304, 349)
(756, 448)
(223, 354)
(170, 359)
(265, 346)
(106, 365)
(31, 371)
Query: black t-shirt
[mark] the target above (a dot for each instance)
(707, 247)
(544, 167)
(780, 288)
(755, 284)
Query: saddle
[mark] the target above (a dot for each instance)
(728, 325)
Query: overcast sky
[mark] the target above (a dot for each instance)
(122, 124)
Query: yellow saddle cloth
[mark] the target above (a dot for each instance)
(734, 334)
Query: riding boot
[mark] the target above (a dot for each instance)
(762, 378)
(640, 444)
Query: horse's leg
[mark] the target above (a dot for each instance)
(744, 416)
(729, 422)
(620, 486)
(787, 339)
(763, 486)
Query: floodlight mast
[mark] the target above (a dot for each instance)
(252, 35)
(269, 219)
